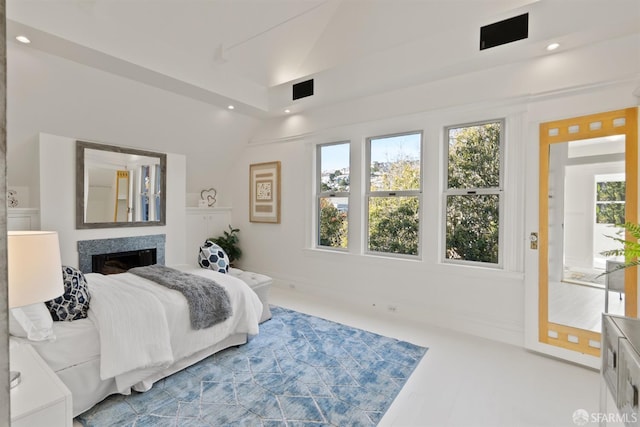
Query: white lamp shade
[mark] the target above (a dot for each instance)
(35, 271)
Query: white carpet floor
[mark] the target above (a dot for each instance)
(581, 306)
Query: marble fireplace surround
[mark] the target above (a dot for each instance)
(88, 248)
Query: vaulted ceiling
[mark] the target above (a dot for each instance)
(249, 52)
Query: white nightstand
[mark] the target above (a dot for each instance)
(41, 399)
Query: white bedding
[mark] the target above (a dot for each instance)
(131, 322)
(168, 319)
(162, 332)
(75, 343)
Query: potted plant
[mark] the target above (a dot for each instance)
(630, 248)
(229, 243)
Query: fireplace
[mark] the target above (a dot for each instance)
(120, 253)
(120, 262)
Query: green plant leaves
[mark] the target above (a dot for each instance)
(229, 242)
(630, 248)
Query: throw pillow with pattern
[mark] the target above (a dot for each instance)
(213, 257)
(74, 303)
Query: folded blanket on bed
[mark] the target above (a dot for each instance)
(208, 302)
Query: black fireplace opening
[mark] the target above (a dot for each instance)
(120, 262)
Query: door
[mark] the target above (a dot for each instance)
(588, 183)
(122, 209)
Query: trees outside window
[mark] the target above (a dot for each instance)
(472, 196)
(393, 193)
(610, 202)
(333, 166)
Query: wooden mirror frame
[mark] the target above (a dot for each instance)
(579, 128)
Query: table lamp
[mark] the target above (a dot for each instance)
(35, 271)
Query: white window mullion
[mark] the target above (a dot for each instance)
(514, 193)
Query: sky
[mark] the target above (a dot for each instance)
(383, 149)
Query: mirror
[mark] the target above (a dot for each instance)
(122, 208)
(119, 187)
(588, 185)
(586, 200)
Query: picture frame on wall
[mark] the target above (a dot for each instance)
(264, 192)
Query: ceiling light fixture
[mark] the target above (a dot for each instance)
(231, 107)
(553, 46)
(287, 111)
(23, 39)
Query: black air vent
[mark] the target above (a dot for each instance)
(503, 32)
(303, 89)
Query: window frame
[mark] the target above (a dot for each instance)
(329, 194)
(607, 202)
(368, 194)
(499, 191)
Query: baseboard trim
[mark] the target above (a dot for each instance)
(472, 323)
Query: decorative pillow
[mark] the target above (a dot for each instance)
(31, 321)
(74, 303)
(213, 257)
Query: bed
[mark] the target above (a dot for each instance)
(138, 332)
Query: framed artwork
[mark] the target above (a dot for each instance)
(264, 192)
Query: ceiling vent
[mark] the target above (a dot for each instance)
(503, 32)
(303, 89)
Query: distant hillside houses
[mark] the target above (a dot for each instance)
(335, 180)
(338, 180)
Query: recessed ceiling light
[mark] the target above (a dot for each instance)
(231, 107)
(553, 46)
(23, 39)
(287, 111)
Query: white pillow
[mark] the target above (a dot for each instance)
(31, 321)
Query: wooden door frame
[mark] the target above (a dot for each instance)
(618, 122)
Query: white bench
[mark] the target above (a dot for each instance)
(260, 285)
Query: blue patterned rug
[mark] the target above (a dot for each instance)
(299, 371)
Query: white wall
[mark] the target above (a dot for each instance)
(516, 83)
(57, 203)
(581, 231)
(481, 301)
(56, 96)
(486, 302)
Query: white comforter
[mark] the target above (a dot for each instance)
(144, 326)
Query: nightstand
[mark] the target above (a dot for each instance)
(41, 398)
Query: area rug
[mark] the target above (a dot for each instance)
(299, 371)
(592, 277)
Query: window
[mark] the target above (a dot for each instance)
(393, 193)
(333, 195)
(610, 202)
(472, 196)
(145, 178)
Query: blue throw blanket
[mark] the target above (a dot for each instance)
(208, 301)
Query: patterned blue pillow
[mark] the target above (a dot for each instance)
(213, 257)
(74, 303)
